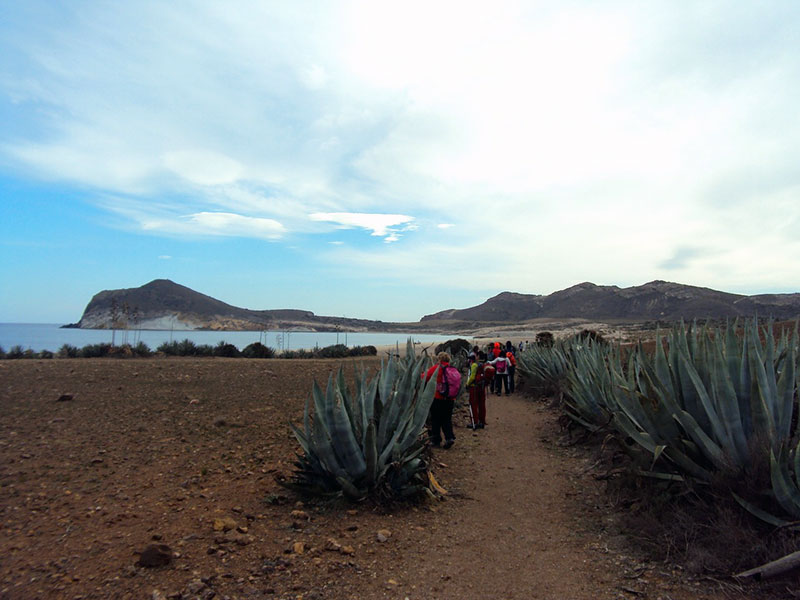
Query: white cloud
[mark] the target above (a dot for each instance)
(380, 224)
(229, 224)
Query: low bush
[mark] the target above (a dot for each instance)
(226, 350)
(185, 348)
(258, 350)
(363, 351)
(142, 350)
(16, 352)
(335, 351)
(68, 351)
(94, 351)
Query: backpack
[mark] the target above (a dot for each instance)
(488, 373)
(450, 384)
(501, 364)
(480, 374)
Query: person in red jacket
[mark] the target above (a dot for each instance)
(442, 408)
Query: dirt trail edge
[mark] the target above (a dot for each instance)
(525, 522)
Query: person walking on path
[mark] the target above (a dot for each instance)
(442, 407)
(500, 365)
(512, 368)
(477, 392)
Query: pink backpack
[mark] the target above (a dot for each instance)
(501, 365)
(450, 384)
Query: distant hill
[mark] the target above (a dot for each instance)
(163, 304)
(657, 300)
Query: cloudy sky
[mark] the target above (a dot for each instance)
(391, 159)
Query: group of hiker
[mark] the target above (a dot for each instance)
(492, 370)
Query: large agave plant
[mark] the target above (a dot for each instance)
(368, 442)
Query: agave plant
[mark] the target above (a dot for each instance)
(546, 366)
(368, 442)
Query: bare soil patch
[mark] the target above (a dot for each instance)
(101, 458)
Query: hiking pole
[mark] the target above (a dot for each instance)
(471, 417)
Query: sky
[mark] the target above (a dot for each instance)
(388, 160)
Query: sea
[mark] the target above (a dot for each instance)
(50, 336)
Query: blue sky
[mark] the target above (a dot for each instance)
(387, 160)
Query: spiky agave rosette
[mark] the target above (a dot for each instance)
(367, 443)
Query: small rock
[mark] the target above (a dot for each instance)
(65, 398)
(298, 547)
(238, 538)
(195, 586)
(158, 595)
(384, 535)
(224, 524)
(155, 555)
(300, 514)
(332, 545)
(348, 550)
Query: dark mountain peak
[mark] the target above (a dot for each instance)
(654, 300)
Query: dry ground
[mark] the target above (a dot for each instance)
(176, 451)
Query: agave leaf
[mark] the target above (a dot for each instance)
(301, 438)
(728, 404)
(658, 475)
(347, 447)
(761, 514)
(350, 490)
(764, 402)
(786, 391)
(717, 427)
(785, 490)
(656, 453)
(709, 448)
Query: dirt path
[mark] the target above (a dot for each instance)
(525, 523)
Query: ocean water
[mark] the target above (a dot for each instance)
(48, 336)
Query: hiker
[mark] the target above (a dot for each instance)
(500, 365)
(512, 368)
(477, 392)
(473, 355)
(496, 350)
(443, 400)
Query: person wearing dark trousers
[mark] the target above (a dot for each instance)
(500, 365)
(512, 368)
(442, 407)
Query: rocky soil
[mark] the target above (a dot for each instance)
(156, 478)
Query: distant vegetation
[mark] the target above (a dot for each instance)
(187, 348)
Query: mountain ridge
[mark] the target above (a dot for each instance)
(164, 304)
(655, 300)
